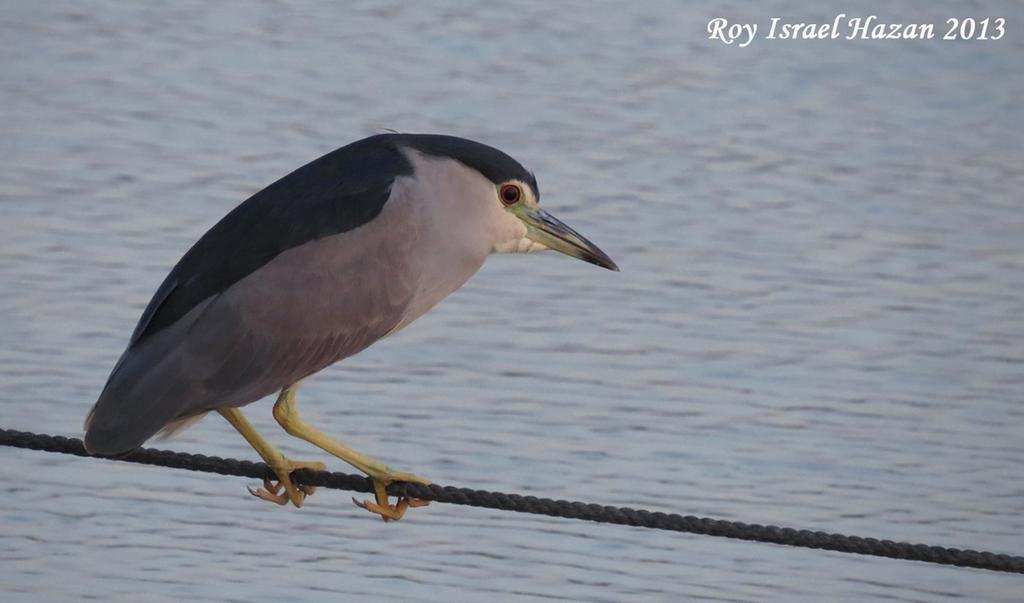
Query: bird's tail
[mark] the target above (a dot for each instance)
(141, 397)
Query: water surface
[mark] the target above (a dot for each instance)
(818, 322)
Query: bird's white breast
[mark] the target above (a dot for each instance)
(444, 206)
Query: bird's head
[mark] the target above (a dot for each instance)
(539, 229)
(512, 201)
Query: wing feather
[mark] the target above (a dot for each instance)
(330, 195)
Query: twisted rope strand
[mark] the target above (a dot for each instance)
(546, 506)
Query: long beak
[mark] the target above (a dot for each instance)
(547, 230)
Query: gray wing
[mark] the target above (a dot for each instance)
(281, 287)
(335, 193)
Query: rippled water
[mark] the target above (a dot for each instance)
(818, 323)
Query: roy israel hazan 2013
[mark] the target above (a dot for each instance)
(842, 26)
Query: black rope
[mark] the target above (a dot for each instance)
(547, 506)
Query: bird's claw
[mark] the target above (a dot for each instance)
(389, 512)
(270, 492)
(283, 491)
(383, 506)
(274, 492)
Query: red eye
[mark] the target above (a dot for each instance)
(510, 194)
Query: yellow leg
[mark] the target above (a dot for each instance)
(381, 474)
(282, 466)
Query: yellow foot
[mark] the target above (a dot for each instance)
(284, 490)
(383, 507)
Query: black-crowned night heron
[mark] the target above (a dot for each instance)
(315, 268)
